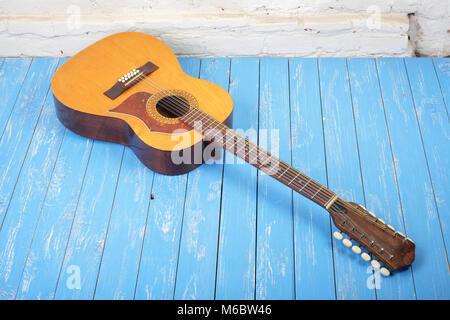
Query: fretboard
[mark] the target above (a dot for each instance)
(243, 148)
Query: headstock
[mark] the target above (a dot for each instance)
(389, 246)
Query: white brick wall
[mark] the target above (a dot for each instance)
(232, 27)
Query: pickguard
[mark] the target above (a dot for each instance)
(135, 105)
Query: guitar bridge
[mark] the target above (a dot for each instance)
(130, 79)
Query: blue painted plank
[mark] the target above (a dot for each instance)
(14, 145)
(90, 226)
(12, 75)
(40, 275)
(120, 260)
(236, 258)
(430, 268)
(29, 149)
(435, 133)
(314, 273)
(158, 262)
(275, 240)
(442, 68)
(377, 166)
(343, 171)
(198, 248)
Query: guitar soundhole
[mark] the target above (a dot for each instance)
(172, 106)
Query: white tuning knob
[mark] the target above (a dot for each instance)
(382, 221)
(401, 234)
(337, 235)
(385, 272)
(347, 243)
(365, 256)
(356, 249)
(409, 240)
(372, 214)
(390, 227)
(375, 264)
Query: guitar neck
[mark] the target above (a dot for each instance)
(243, 148)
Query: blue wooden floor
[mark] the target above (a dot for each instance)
(78, 221)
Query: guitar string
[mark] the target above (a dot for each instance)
(204, 116)
(288, 168)
(305, 179)
(305, 184)
(303, 188)
(308, 185)
(353, 228)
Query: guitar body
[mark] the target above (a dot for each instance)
(133, 117)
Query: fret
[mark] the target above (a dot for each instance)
(315, 194)
(287, 168)
(293, 178)
(246, 150)
(267, 159)
(305, 184)
(269, 172)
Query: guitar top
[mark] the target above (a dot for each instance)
(129, 88)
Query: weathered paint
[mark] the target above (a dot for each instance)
(68, 201)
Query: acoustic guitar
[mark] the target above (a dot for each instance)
(129, 88)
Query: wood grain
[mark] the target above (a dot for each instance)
(198, 248)
(314, 270)
(434, 127)
(275, 240)
(29, 147)
(79, 219)
(90, 226)
(342, 153)
(377, 165)
(431, 276)
(236, 256)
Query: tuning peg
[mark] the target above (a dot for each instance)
(356, 249)
(381, 220)
(337, 235)
(385, 272)
(375, 264)
(347, 243)
(372, 214)
(409, 240)
(390, 227)
(365, 256)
